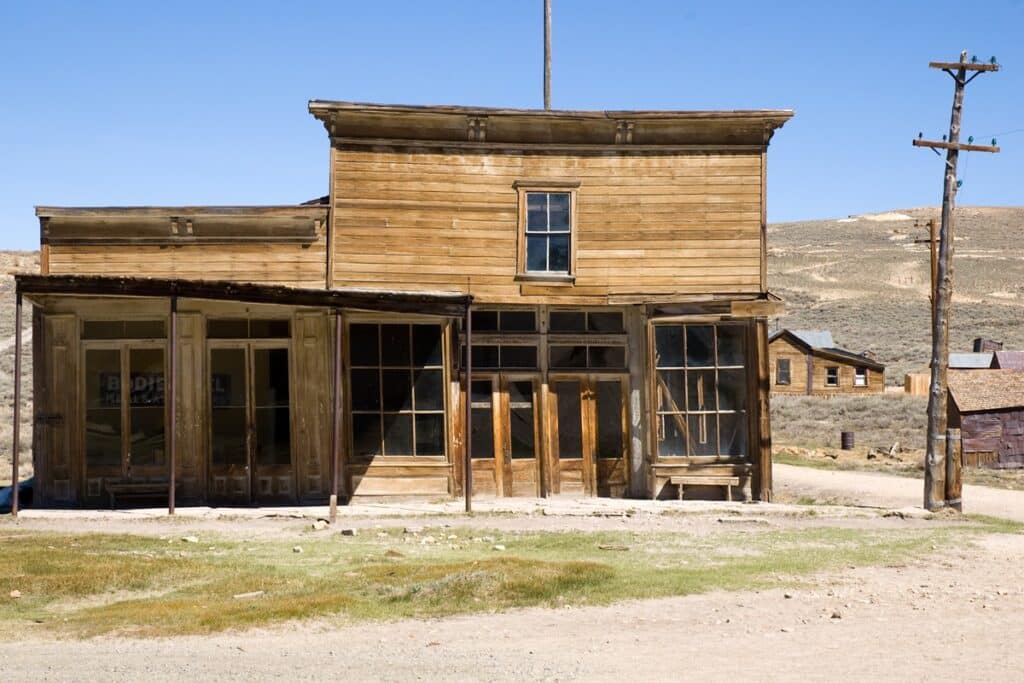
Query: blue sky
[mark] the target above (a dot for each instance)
(121, 103)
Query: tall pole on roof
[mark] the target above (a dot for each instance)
(547, 54)
(939, 490)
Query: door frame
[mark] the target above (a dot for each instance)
(502, 437)
(123, 347)
(248, 346)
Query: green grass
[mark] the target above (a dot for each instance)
(88, 585)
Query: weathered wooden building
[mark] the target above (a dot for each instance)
(606, 269)
(809, 363)
(988, 408)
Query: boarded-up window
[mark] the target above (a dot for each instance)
(396, 380)
(782, 371)
(702, 390)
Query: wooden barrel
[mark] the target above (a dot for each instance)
(846, 441)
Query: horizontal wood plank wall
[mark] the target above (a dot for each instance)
(284, 264)
(647, 224)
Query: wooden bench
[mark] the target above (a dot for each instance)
(681, 480)
(135, 489)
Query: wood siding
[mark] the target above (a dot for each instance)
(802, 363)
(296, 265)
(658, 224)
(993, 439)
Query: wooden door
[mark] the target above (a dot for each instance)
(250, 424)
(588, 434)
(125, 415)
(506, 436)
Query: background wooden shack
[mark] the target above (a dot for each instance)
(988, 407)
(809, 362)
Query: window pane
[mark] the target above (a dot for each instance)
(273, 436)
(483, 420)
(519, 357)
(570, 420)
(426, 345)
(703, 437)
(366, 434)
(671, 396)
(365, 388)
(567, 321)
(536, 254)
(700, 385)
(609, 420)
(567, 357)
(398, 434)
(518, 321)
(558, 259)
(732, 389)
(395, 346)
(269, 329)
(559, 210)
(782, 371)
(730, 345)
(103, 329)
(227, 328)
(536, 211)
(733, 434)
(668, 346)
(228, 390)
(146, 398)
(605, 357)
(604, 323)
(397, 390)
(521, 419)
(430, 434)
(485, 321)
(270, 377)
(429, 389)
(699, 349)
(485, 356)
(144, 329)
(673, 443)
(362, 345)
(227, 440)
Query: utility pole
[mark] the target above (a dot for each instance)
(933, 247)
(547, 55)
(936, 493)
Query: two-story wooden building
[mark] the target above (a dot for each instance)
(606, 269)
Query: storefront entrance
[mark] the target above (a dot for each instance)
(250, 424)
(589, 434)
(506, 435)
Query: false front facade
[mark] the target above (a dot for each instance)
(605, 270)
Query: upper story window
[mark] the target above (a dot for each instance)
(546, 219)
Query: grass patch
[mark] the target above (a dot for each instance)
(88, 585)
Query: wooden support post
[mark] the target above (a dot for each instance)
(336, 417)
(16, 440)
(468, 423)
(937, 448)
(547, 54)
(172, 437)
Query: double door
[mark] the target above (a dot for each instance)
(576, 445)
(250, 424)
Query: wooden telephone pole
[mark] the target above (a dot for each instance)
(547, 54)
(939, 489)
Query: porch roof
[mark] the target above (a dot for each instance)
(450, 304)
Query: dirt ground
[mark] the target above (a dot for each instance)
(933, 619)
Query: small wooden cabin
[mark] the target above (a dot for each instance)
(809, 363)
(988, 408)
(605, 270)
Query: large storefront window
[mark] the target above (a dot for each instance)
(396, 380)
(701, 390)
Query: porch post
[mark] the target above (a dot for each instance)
(336, 417)
(16, 441)
(172, 439)
(468, 440)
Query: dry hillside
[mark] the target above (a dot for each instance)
(867, 280)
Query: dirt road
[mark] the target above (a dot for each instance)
(868, 488)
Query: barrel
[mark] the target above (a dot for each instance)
(846, 441)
